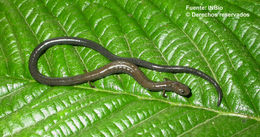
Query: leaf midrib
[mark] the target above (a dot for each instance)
(172, 103)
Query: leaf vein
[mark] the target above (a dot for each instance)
(198, 125)
(243, 130)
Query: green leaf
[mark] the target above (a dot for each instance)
(226, 48)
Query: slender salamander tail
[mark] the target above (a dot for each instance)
(220, 95)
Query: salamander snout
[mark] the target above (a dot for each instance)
(178, 88)
(181, 89)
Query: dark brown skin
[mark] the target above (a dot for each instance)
(114, 67)
(74, 41)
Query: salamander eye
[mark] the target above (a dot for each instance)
(181, 91)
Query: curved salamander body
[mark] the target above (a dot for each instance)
(114, 67)
(167, 85)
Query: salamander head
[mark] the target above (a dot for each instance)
(177, 87)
